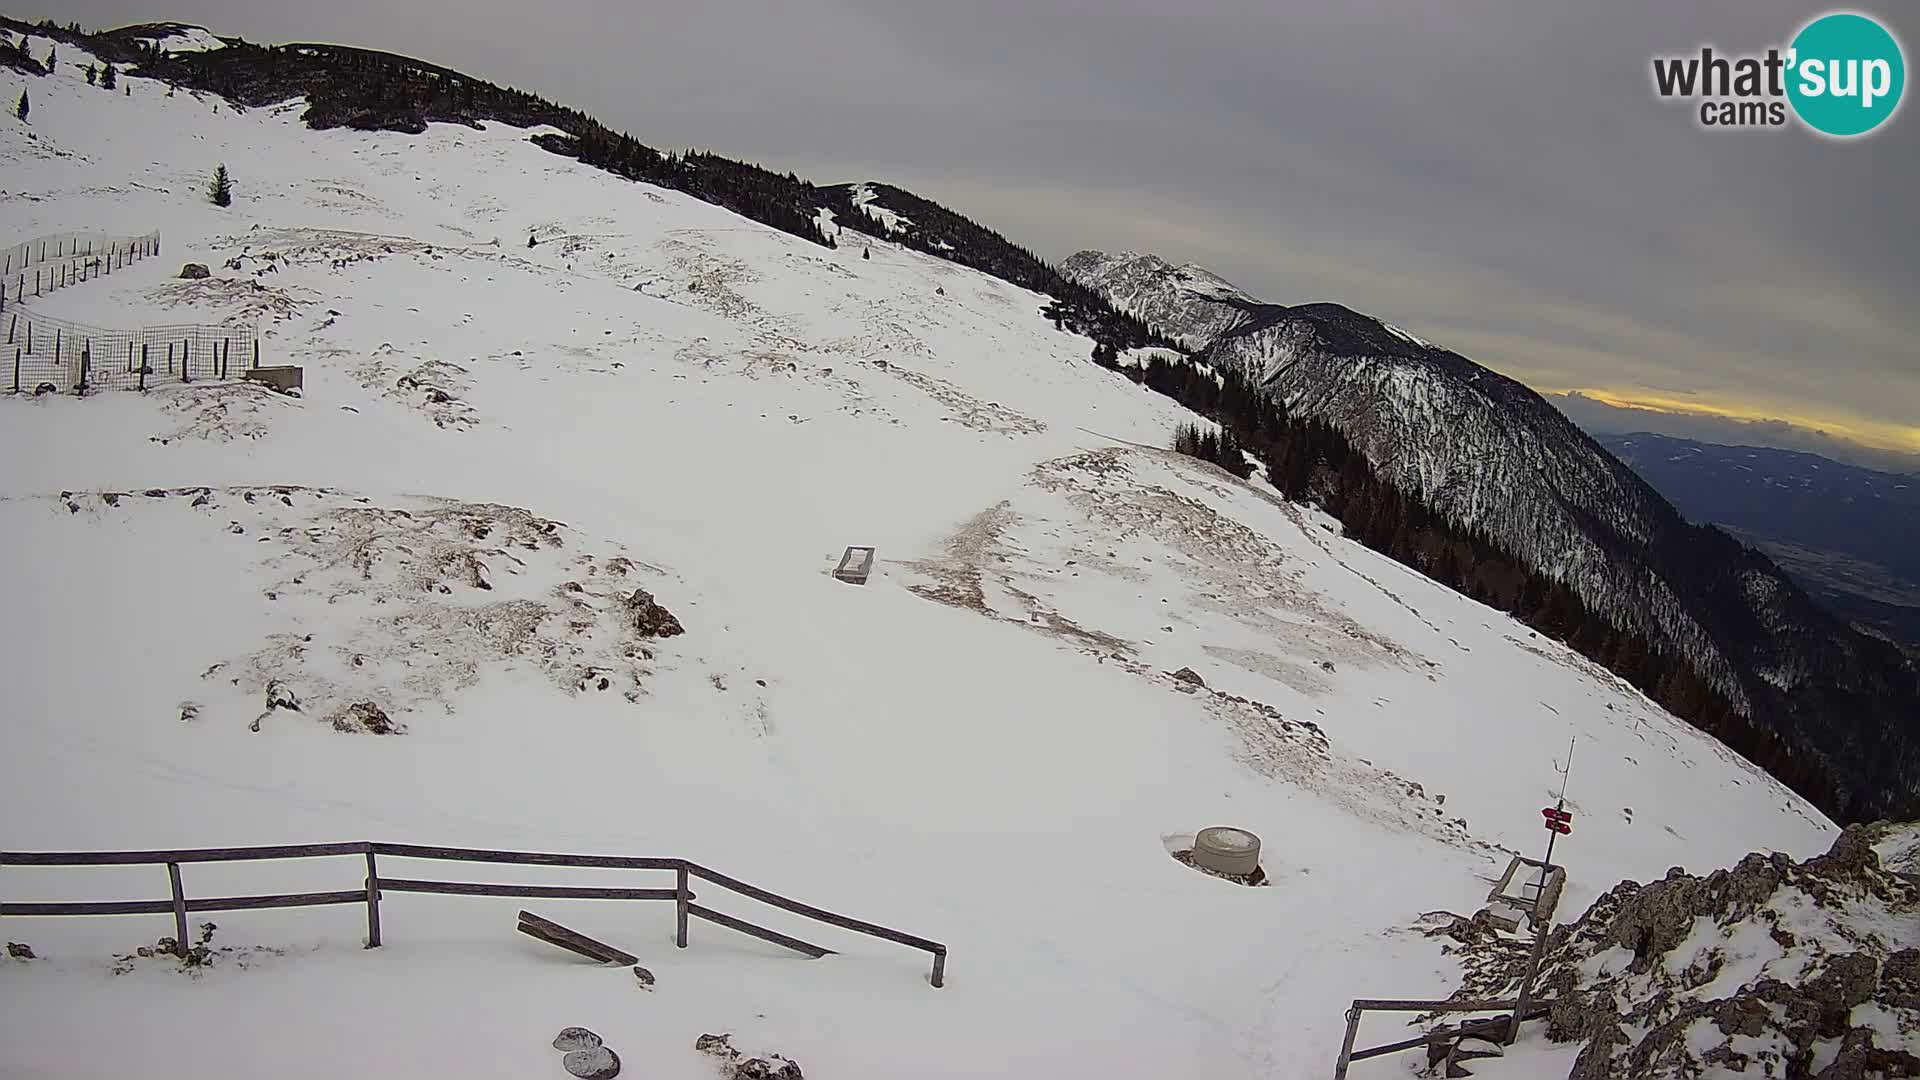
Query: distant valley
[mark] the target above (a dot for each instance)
(1850, 536)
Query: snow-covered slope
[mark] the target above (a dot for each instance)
(499, 446)
(1490, 455)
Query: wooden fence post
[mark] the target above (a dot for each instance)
(1346, 1047)
(86, 362)
(143, 365)
(680, 900)
(129, 357)
(226, 354)
(256, 352)
(1526, 981)
(373, 902)
(179, 910)
(16, 369)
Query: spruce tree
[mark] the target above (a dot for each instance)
(108, 80)
(220, 191)
(93, 75)
(21, 109)
(50, 59)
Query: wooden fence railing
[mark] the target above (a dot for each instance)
(370, 890)
(1500, 1028)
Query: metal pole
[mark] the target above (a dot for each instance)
(939, 969)
(179, 911)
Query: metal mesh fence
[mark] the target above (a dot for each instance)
(40, 266)
(42, 352)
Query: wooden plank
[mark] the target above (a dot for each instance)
(812, 912)
(163, 907)
(188, 855)
(595, 955)
(761, 932)
(523, 858)
(563, 892)
(554, 934)
(1407, 1005)
(278, 900)
(121, 907)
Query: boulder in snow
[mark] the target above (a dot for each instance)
(597, 1063)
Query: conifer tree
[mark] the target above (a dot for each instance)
(93, 75)
(108, 80)
(50, 55)
(220, 190)
(21, 109)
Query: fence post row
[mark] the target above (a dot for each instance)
(375, 886)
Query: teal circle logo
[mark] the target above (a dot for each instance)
(1846, 74)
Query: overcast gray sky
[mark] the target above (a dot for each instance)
(1495, 175)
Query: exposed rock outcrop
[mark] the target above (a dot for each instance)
(1770, 968)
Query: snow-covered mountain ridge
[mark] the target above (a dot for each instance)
(1491, 455)
(1076, 648)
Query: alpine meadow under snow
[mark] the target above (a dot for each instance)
(499, 444)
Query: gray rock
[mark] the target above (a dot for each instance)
(576, 1038)
(1847, 980)
(1188, 675)
(1900, 980)
(19, 951)
(195, 272)
(598, 1063)
(645, 978)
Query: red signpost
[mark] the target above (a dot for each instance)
(1558, 820)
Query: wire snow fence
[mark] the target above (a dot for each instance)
(42, 353)
(43, 265)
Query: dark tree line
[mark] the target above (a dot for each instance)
(938, 231)
(1311, 462)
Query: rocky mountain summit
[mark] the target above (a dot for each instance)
(1770, 968)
